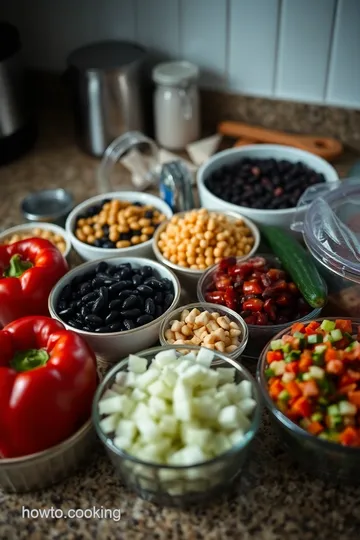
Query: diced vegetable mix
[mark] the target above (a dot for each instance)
(176, 411)
(313, 376)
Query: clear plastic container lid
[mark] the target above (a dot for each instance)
(331, 225)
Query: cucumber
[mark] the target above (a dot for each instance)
(298, 263)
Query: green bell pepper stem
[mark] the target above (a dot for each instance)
(17, 267)
(30, 359)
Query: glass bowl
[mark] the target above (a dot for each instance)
(180, 485)
(328, 460)
(259, 335)
(206, 306)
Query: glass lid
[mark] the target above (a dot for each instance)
(331, 225)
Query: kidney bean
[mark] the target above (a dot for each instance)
(252, 287)
(270, 309)
(253, 304)
(216, 297)
(222, 283)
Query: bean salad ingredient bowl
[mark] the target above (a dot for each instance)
(206, 325)
(192, 241)
(190, 434)
(116, 304)
(260, 291)
(118, 223)
(262, 182)
(309, 379)
(55, 234)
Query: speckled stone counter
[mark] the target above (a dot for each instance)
(273, 500)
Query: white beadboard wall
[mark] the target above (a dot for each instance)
(303, 50)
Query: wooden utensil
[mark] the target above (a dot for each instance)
(324, 147)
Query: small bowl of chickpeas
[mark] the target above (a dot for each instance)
(121, 223)
(191, 242)
(54, 233)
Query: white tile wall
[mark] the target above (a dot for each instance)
(304, 50)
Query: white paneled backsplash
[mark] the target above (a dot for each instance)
(303, 50)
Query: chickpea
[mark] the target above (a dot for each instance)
(114, 236)
(123, 244)
(147, 230)
(87, 230)
(90, 239)
(135, 240)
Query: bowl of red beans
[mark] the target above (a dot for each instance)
(309, 377)
(261, 291)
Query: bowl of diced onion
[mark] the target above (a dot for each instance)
(177, 427)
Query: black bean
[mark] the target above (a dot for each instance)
(116, 327)
(137, 280)
(106, 278)
(146, 271)
(98, 242)
(62, 305)
(128, 324)
(76, 281)
(137, 203)
(159, 297)
(155, 284)
(115, 304)
(109, 245)
(104, 294)
(86, 328)
(149, 306)
(68, 312)
(168, 300)
(145, 290)
(149, 214)
(117, 287)
(85, 310)
(112, 317)
(125, 273)
(99, 305)
(101, 267)
(89, 297)
(136, 232)
(66, 292)
(86, 287)
(158, 311)
(130, 302)
(125, 236)
(73, 323)
(168, 286)
(130, 313)
(144, 319)
(101, 329)
(93, 319)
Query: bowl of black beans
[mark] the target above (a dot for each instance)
(116, 304)
(262, 182)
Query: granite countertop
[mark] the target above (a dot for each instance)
(273, 500)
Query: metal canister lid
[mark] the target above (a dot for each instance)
(105, 55)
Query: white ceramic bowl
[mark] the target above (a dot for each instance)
(188, 277)
(112, 346)
(27, 227)
(281, 218)
(91, 253)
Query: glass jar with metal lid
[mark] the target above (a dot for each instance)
(176, 104)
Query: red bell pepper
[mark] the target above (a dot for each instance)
(48, 379)
(28, 271)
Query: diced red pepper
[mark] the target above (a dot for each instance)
(274, 356)
(311, 327)
(355, 375)
(305, 362)
(276, 388)
(309, 388)
(292, 367)
(294, 389)
(344, 325)
(315, 428)
(350, 437)
(354, 397)
(298, 327)
(302, 407)
(331, 354)
(230, 298)
(336, 367)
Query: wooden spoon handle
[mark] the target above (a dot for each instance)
(324, 147)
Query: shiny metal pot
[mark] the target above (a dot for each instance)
(106, 83)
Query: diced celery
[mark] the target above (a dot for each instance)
(299, 335)
(336, 334)
(347, 408)
(276, 344)
(323, 436)
(333, 410)
(315, 338)
(320, 349)
(284, 395)
(316, 417)
(317, 372)
(327, 326)
(269, 373)
(307, 377)
(286, 347)
(335, 421)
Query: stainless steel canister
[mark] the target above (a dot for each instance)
(106, 81)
